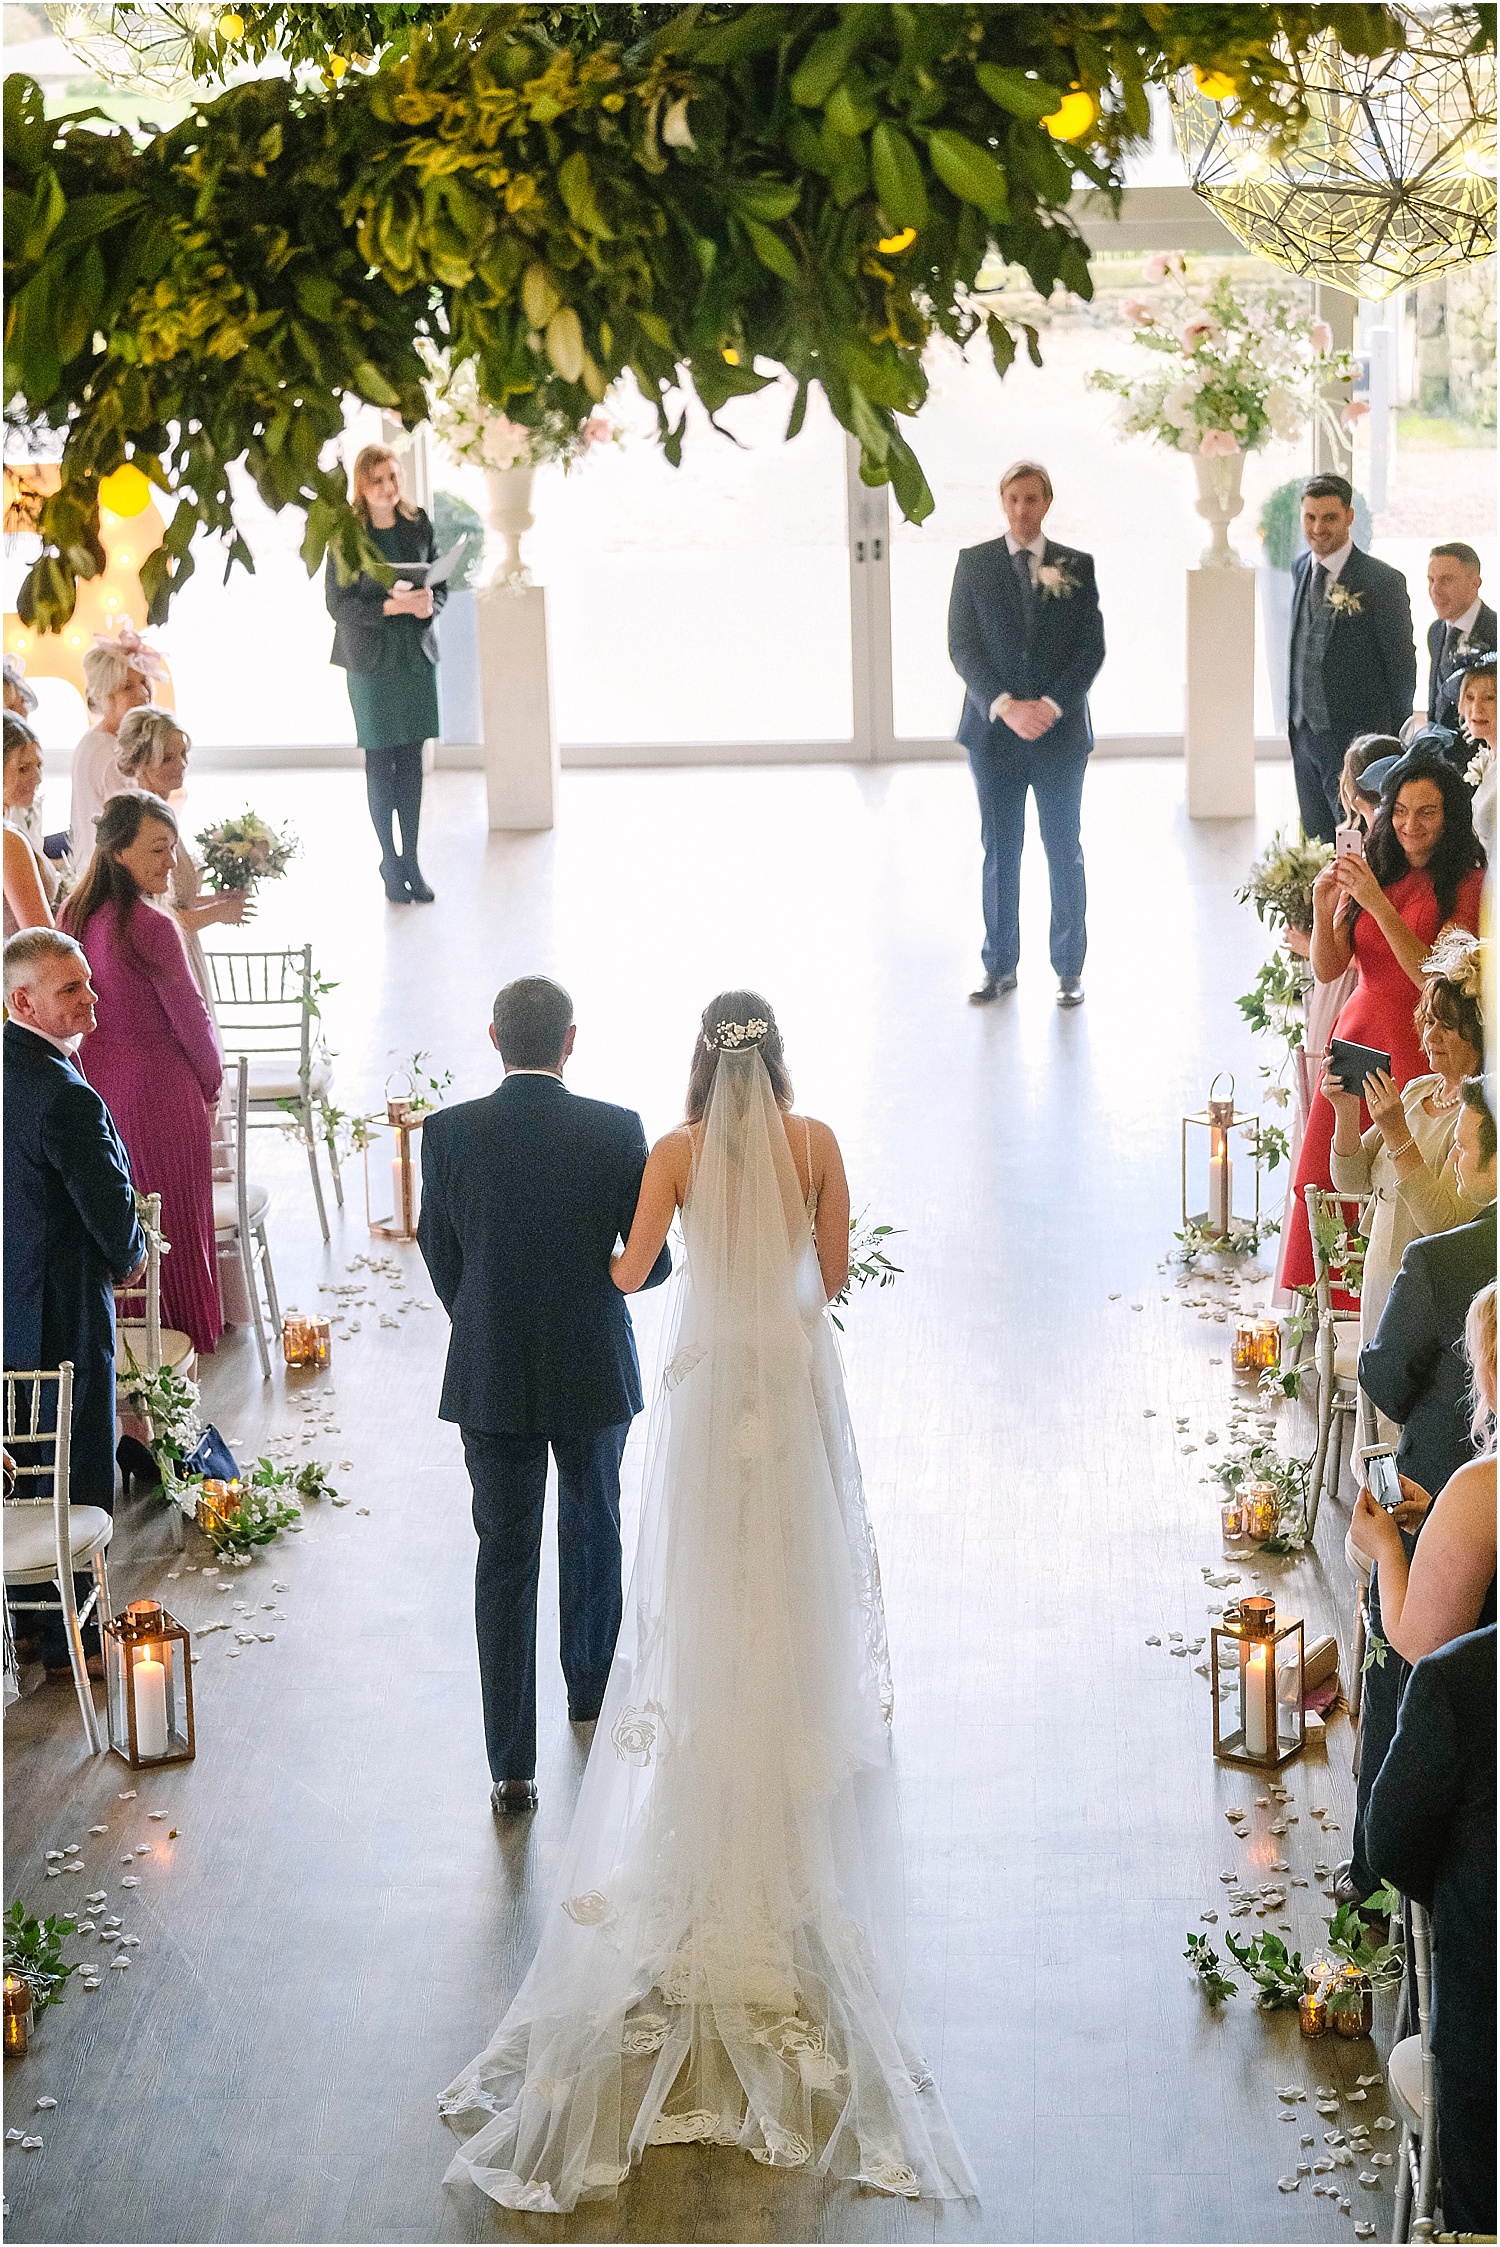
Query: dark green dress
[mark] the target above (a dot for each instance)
(397, 702)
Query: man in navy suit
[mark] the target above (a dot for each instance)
(71, 1229)
(1463, 624)
(1026, 637)
(524, 1196)
(1353, 665)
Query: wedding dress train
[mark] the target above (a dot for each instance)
(720, 1959)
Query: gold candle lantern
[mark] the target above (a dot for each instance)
(17, 2016)
(1257, 1672)
(217, 1500)
(404, 1118)
(306, 1342)
(1351, 2008)
(149, 1679)
(1262, 1512)
(1257, 1347)
(1232, 1518)
(1312, 2011)
(1222, 1120)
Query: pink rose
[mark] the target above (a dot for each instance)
(1138, 310)
(1322, 336)
(1218, 441)
(1353, 412)
(1165, 261)
(598, 430)
(1199, 330)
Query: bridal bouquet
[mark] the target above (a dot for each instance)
(1280, 883)
(239, 853)
(474, 431)
(1237, 371)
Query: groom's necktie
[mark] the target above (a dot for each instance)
(1320, 585)
(1021, 564)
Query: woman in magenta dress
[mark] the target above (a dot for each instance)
(1423, 871)
(154, 1058)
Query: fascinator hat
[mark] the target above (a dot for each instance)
(1460, 960)
(1424, 750)
(15, 678)
(138, 657)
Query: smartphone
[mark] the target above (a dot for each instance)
(1349, 842)
(1381, 1479)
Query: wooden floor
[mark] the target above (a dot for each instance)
(340, 1921)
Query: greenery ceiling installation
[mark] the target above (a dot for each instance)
(563, 198)
(1391, 178)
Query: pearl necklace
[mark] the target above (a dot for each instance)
(1440, 1106)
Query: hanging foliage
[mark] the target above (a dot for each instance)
(746, 189)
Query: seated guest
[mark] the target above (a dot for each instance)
(1461, 622)
(154, 1055)
(19, 698)
(117, 676)
(71, 1230)
(1431, 1829)
(1413, 1370)
(1403, 1159)
(153, 755)
(1476, 701)
(1422, 872)
(30, 884)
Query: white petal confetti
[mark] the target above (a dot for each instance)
(1289, 2184)
(1386, 2122)
(130, 1881)
(30, 2145)
(1368, 2177)
(42, 2103)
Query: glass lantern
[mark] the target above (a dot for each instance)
(1257, 1673)
(149, 1676)
(216, 1501)
(1257, 1346)
(1260, 1511)
(306, 1342)
(404, 1118)
(18, 2004)
(1222, 1120)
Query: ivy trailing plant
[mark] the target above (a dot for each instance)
(541, 190)
(33, 1949)
(1276, 1971)
(1204, 1960)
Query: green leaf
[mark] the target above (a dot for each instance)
(896, 170)
(970, 171)
(577, 190)
(767, 198)
(1002, 344)
(772, 251)
(1031, 98)
(827, 58)
(851, 108)
(48, 204)
(371, 384)
(27, 131)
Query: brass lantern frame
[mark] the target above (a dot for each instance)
(145, 1624)
(1221, 1116)
(1226, 1749)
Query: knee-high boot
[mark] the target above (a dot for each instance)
(380, 794)
(408, 794)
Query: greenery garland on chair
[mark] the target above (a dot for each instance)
(811, 188)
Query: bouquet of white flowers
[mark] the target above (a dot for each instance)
(239, 853)
(472, 430)
(1238, 371)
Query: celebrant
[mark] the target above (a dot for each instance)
(387, 644)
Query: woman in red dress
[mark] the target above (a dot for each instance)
(1423, 871)
(154, 1056)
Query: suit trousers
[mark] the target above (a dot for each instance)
(509, 1479)
(1002, 777)
(1317, 761)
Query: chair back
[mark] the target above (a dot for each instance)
(235, 1110)
(138, 1302)
(42, 1453)
(1338, 1263)
(263, 1002)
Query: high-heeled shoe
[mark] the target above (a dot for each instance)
(136, 1465)
(394, 878)
(417, 888)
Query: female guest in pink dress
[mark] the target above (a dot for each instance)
(154, 1058)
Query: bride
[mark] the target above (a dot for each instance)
(720, 1961)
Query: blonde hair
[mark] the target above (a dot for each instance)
(142, 733)
(366, 461)
(1020, 468)
(105, 672)
(1479, 1344)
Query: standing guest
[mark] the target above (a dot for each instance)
(118, 675)
(524, 1195)
(1432, 1833)
(1353, 665)
(386, 642)
(154, 753)
(1404, 1160)
(1026, 637)
(1422, 872)
(71, 1231)
(154, 1055)
(1412, 1371)
(1462, 623)
(30, 884)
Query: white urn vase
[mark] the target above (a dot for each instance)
(508, 493)
(1219, 501)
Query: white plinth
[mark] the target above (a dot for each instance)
(515, 689)
(1220, 729)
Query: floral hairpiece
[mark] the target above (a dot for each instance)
(738, 1037)
(140, 658)
(1459, 959)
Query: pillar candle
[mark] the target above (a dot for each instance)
(150, 1678)
(1256, 1742)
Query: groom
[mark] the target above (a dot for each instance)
(1026, 637)
(524, 1195)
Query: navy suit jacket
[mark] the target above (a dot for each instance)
(1414, 1368)
(990, 652)
(1370, 663)
(70, 1232)
(1442, 708)
(1430, 1828)
(524, 1195)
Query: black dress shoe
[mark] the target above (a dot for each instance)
(416, 888)
(993, 987)
(137, 1465)
(513, 1798)
(1070, 990)
(395, 882)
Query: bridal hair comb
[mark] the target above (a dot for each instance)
(738, 1037)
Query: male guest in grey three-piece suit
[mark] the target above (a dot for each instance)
(1353, 659)
(1027, 639)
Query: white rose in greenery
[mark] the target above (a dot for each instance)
(1179, 403)
(1284, 413)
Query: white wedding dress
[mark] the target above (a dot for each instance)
(720, 1960)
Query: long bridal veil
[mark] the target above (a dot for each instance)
(720, 1959)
